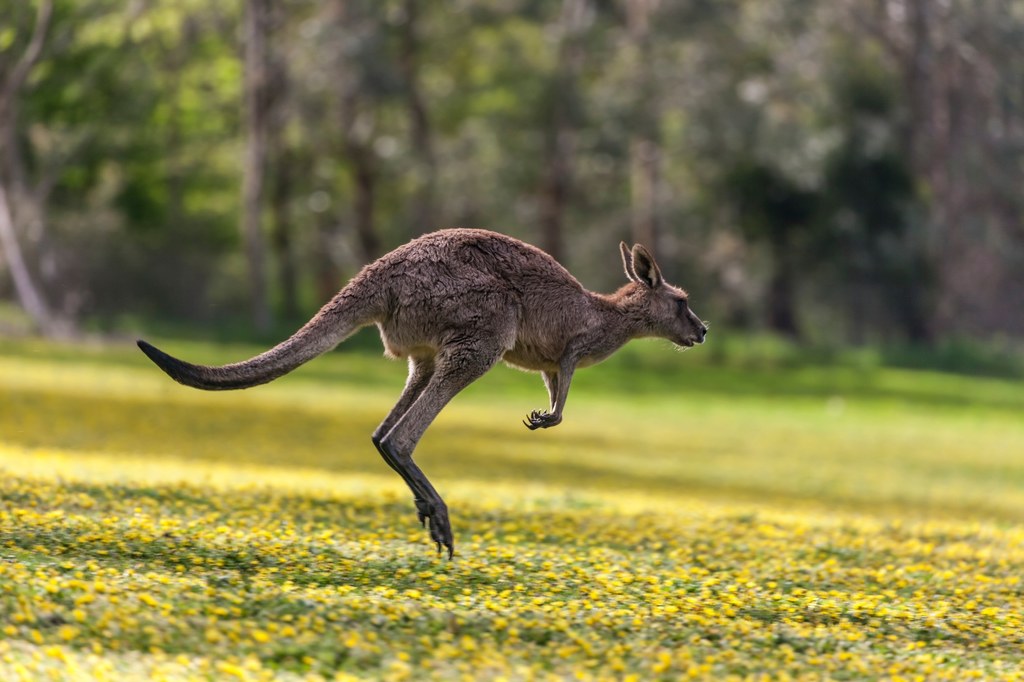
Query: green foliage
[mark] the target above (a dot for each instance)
(768, 205)
(960, 355)
(791, 187)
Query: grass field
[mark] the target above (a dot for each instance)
(688, 520)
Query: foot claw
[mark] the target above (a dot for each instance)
(541, 420)
(435, 518)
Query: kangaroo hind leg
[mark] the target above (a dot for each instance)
(420, 372)
(456, 366)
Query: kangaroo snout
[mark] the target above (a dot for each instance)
(698, 330)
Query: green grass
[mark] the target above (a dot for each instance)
(713, 516)
(650, 419)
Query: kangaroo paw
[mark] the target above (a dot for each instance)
(541, 420)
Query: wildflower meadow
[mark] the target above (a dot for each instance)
(692, 518)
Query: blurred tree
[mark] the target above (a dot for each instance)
(771, 207)
(802, 162)
(359, 33)
(644, 148)
(281, 166)
(424, 167)
(14, 73)
(257, 114)
(174, 150)
(870, 198)
(561, 116)
(756, 98)
(962, 123)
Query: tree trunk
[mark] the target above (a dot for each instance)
(644, 151)
(280, 199)
(425, 162)
(644, 162)
(282, 166)
(357, 124)
(782, 317)
(12, 175)
(560, 126)
(364, 177)
(912, 308)
(256, 98)
(927, 152)
(910, 43)
(328, 276)
(29, 295)
(554, 193)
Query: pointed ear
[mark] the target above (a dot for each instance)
(646, 269)
(627, 262)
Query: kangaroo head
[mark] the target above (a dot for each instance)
(664, 309)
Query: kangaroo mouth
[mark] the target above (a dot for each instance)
(689, 342)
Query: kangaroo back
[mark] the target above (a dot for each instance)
(335, 322)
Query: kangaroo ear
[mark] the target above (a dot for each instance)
(646, 269)
(627, 262)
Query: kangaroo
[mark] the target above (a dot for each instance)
(454, 303)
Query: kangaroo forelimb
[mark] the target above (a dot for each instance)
(557, 384)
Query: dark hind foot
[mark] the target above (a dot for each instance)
(541, 420)
(435, 512)
(440, 528)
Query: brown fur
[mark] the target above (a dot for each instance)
(454, 303)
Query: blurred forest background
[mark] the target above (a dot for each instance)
(834, 171)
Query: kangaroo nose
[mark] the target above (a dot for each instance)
(703, 332)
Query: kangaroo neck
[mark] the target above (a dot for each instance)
(612, 327)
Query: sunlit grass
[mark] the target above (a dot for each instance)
(847, 525)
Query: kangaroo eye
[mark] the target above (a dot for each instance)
(681, 303)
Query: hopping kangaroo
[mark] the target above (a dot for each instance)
(454, 303)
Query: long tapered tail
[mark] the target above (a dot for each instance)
(333, 324)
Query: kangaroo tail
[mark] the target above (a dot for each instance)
(335, 322)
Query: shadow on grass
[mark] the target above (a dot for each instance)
(276, 435)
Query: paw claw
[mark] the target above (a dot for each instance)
(541, 420)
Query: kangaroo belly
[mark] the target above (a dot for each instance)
(530, 357)
(404, 341)
(422, 326)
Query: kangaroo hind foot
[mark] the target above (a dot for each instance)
(431, 509)
(436, 517)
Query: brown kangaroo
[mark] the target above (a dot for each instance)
(454, 303)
